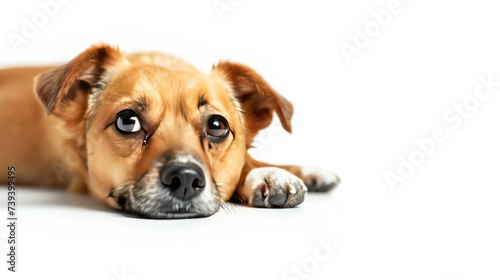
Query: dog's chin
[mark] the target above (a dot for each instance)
(176, 212)
(155, 202)
(166, 215)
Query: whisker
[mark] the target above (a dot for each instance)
(230, 208)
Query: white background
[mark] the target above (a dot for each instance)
(357, 118)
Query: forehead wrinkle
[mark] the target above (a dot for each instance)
(149, 96)
(162, 94)
(141, 103)
(183, 97)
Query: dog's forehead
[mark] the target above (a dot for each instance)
(168, 88)
(158, 82)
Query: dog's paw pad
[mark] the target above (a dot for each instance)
(272, 187)
(319, 179)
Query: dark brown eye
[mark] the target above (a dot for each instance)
(217, 128)
(127, 122)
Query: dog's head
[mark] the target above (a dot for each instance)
(155, 141)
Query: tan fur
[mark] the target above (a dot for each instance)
(63, 139)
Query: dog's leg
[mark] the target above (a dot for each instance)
(317, 179)
(266, 185)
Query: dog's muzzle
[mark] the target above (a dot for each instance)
(174, 186)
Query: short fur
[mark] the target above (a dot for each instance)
(62, 134)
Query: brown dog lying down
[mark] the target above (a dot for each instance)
(148, 133)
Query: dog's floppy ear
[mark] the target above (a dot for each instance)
(64, 89)
(258, 100)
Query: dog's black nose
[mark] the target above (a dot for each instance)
(184, 180)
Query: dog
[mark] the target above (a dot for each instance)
(148, 134)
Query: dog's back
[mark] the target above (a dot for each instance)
(27, 134)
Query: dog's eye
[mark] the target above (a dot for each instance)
(217, 128)
(127, 122)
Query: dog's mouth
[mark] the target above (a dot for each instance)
(171, 209)
(176, 190)
(157, 203)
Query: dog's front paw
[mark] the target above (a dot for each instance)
(273, 187)
(319, 179)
